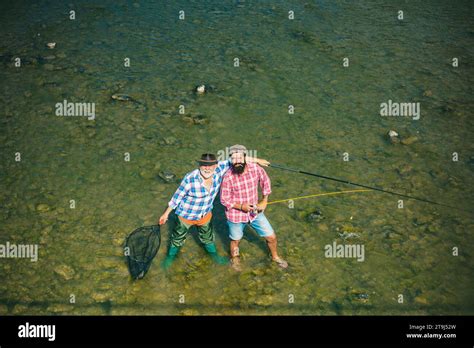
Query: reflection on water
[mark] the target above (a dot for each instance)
(282, 63)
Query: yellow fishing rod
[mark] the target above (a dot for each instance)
(318, 195)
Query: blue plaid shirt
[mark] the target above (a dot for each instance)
(192, 200)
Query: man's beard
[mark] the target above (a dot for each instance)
(238, 168)
(205, 175)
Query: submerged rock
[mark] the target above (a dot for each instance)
(393, 136)
(65, 272)
(315, 216)
(42, 207)
(202, 89)
(304, 36)
(348, 235)
(3, 309)
(196, 119)
(404, 170)
(122, 97)
(167, 176)
(410, 140)
(392, 133)
(360, 296)
(200, 119)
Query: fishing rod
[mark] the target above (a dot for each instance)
(364, 186)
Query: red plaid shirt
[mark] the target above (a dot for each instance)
(243, 189)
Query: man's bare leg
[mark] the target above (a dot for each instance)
(235, 255)
(272, 245)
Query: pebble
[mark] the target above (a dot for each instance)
(200, 119)
(42, 207)
(48, 67)
(170, 140)
(421, 300)
(99, 297)
(200, 89)
(122, 97)
(393, 136)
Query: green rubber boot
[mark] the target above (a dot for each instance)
(212, 251)
(172, 253)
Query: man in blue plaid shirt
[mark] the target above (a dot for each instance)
(193, 202)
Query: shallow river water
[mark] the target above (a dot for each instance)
(81, 268)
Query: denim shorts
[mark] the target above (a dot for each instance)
(261, 225)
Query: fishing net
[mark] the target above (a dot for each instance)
(141, 247)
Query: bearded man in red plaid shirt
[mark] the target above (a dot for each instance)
(239, 195)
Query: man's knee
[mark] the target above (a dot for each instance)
(271, 239)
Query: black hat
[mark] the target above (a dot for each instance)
(207, 159)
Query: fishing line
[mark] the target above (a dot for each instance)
(365, 186)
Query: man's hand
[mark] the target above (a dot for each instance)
(261, 206)
(163, 219)
(262, 162)
(246, 207)
(259, 161)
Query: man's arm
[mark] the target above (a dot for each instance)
(262, 205)
(175, 200)
(259, 161)
(265, 185)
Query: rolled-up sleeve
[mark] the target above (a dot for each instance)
(226, 193)
(265, 183)
(179, 194)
